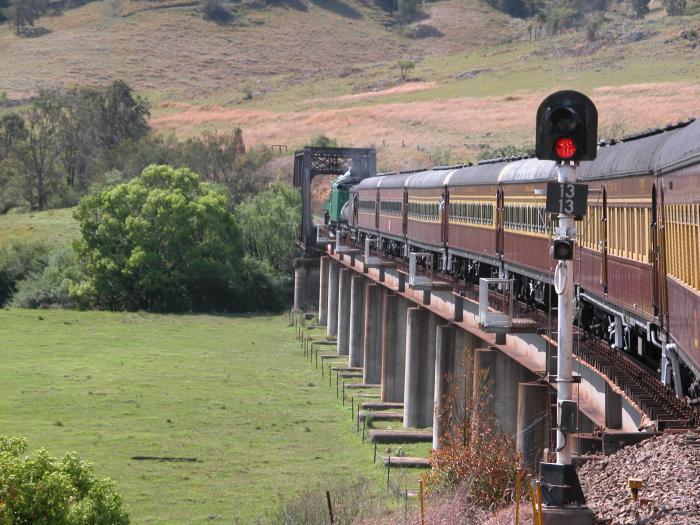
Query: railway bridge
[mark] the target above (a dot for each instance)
(410, 329)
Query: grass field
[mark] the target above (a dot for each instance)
(233, 392)
(53, 227)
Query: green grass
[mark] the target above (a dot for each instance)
(233, 392)
(53, 227)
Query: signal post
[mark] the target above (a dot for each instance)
(566, 133)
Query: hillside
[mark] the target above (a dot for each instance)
(300, 68)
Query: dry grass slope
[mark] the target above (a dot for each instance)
(303, 67)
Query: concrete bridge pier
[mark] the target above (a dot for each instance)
(323, 291)
(532, 435)
(393, 348)
(508, 374)
(357, 321)
(333, 278)
(482, 386)
(453, 380)
(306, 282)
(344, 281)
(372, 349)
(419, 382)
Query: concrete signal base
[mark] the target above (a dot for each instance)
(567, 516)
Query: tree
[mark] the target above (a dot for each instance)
(122, 115)
(674, 7)
(23, 13)
(165, 241)
(43, 490)
(407, 10)
(404, 67)
(270, 223)
(44, 147)
(640, 7)
(12, 131)
(214, 155)
(78, 137)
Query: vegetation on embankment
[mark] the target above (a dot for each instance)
(234, 393)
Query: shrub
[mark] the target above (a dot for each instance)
(353, 501)
(476, 456)
(216, 11)
(52, 285)
(323, 141)
(504, 152)
(404, 67)
(165, 241)
(17, 261)
(43, 490)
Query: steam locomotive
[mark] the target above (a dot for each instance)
(637, 256)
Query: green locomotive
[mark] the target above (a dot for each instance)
(338, 198)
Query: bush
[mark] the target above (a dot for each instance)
(18, 260)
(404, 67)
(216, 11)
(165, 241)
(476, 456)
(501, 152)
(353, 501)
(323, 141)
(43, 490)
(258, 288)
(51, 286)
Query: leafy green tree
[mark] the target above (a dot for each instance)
(165, 241)
(78, 137)
(270, 224)
(12, 131)
(122, 115)
(43, 490)
(44, 147)
(215, 156)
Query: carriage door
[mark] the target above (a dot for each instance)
(444, 215)
(499, 221)
(657, 256)
(663, 287)
(404, 213)
(604, 243)
(376, 212)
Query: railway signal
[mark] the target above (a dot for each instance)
(567, 128)
(566, 132)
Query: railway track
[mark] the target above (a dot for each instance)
(655, 399)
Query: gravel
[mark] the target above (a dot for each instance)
(669, 466)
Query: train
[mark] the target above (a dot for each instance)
(637, 255)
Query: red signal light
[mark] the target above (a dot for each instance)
(565, 148)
